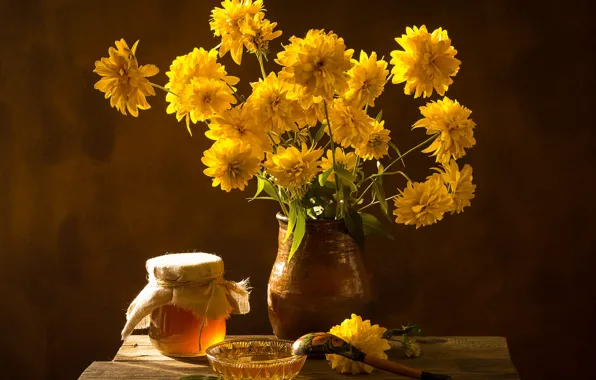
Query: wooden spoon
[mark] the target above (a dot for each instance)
(325, 343)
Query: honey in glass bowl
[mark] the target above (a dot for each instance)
(177, 332)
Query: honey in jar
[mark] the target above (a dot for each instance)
(188, 301)
(179, 333)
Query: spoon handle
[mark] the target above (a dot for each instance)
(399, 369)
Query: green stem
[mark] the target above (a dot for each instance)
(364, 192)
(332, 143)
(375, 202)
(235, 92)
(281, 203)
(260, 59)
(356, 166)
(396, 149)
(337, 189)
(272, 142)
(389, 173)
(391, 164)
(413, 149)
(280, 200)
(162, 88)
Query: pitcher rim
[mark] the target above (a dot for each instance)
(284, 219)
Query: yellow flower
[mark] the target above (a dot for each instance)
(231, 164)
(123, 80)
(377, 144)
(459, 184)
(342, 160)
(238, 123)
(207, 97)
(316, 64)
(198, 64)
(312, 114)
(423, 203)
(427, 62)
(272, 107)
(293, 168)
(225, 23)
(451, 120)
(367, 80)
(363, 336)
(350, 124)
(257, 32)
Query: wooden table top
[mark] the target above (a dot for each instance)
(465, 358)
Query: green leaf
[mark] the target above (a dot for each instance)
(354, 225)
(379, 116)
(371, 226)
(347, 177)
(323, 176)
(294, 208)
(345, 174)
(261, 198)
(396, 149)
(269, 189)
(260, 187)
(330, 185)
(299, 232)
(320, 133)
(380, 195)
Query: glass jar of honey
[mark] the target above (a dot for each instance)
(188, 301)
(179, 333)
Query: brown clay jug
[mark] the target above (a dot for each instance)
(323, 284)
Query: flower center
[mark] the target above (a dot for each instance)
(233, 169)
(297, 170)
(374, 141)
(207, 99)
(241, 130)
(418, 208)
(274, 100)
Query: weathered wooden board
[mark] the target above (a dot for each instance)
(465, 358)
(139, 348)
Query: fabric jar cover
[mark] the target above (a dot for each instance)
(191, 281)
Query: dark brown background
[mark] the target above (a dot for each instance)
(87, 195)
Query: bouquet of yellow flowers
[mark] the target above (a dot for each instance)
(305, 132)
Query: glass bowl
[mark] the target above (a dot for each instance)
(255, 358)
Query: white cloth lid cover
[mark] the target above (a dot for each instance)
(193, 281)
